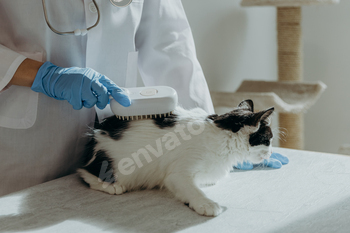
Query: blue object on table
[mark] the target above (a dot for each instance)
(276, 161)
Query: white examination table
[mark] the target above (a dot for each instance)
(310, 194)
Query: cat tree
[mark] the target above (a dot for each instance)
(292, 97)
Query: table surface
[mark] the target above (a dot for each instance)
(310, 194)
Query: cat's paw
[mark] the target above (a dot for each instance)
(119, 189)
(206, 207)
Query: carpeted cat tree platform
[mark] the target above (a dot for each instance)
(289, 95)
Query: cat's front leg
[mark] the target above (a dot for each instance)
(187, 191)
(205, 206)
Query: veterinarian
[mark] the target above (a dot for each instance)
(48, 96)
(41, 125)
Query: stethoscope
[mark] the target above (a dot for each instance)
(83, 32)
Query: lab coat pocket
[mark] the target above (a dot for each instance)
(18, 105)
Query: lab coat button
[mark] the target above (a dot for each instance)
(92, 7)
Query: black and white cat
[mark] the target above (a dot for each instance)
(179, 152)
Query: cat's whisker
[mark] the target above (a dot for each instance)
(283, 132)
(280, 133)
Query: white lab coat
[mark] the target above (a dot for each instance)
(42, 138)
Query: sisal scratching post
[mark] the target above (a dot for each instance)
(293, 125)
(290, 69)
(289, 41)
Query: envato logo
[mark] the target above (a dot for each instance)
(170, 140)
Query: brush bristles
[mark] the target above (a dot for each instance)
(153, 116)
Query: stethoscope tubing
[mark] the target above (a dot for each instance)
(70, 32)
(81, 31)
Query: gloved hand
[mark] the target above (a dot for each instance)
(276, 160)
(79, 86)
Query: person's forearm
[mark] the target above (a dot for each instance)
(26, 73)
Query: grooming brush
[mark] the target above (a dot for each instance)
(146, 102)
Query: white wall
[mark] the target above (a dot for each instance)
(327, 58)
(235, 43)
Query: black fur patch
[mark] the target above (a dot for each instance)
(102, 167)
(89, 152)
(234, 120)
(241, 116)
(113, 127)
(262, 136)
(166, 122)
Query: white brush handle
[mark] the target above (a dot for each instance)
(147, 101)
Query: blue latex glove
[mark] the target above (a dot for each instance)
(276, 160)
(79, 86)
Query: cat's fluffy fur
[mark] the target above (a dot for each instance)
(178, 153)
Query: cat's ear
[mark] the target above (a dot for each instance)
(267, 113)
(247, 104)
(263, 115)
